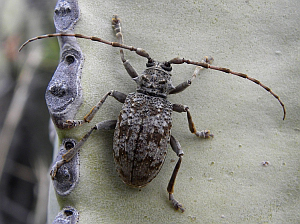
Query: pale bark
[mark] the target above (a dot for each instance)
(221, 179)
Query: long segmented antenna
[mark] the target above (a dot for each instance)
(139, 51)
(143, 53)
(227, 70)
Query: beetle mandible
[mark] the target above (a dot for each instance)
(143, 128)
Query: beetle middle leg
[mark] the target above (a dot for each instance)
(106, 125)
(202, 134)
(88, 117)
(177, 149)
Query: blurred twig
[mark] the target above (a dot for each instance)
(41, 173)
(18, 103)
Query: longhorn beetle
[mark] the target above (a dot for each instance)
(143, 128)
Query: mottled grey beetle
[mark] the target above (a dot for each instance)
(143, 128)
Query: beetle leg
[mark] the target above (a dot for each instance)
(87, 118)
(117, 95)
(202, 134)
(182, 86)
(104, 125)
(177, 149)
(116, 24)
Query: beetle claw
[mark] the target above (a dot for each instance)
(204, 134)
(176, 204)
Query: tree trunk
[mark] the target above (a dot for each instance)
(221, 179)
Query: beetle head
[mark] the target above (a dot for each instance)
(156, 79)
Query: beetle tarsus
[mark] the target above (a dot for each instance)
(176, 204)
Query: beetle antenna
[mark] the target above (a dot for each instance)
(227, 70)
(139, 51)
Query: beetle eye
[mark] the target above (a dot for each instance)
(166, 66)
(150, 63)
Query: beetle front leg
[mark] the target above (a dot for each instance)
(87, 118)
(116, 25)
(202, 134)
(182, 86)
(104, 125)
(177, 149)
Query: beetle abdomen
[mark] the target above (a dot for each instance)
(141, 138)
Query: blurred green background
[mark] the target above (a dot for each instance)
(25, 149)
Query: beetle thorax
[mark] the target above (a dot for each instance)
(155, 81)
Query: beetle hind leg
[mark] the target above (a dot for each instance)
(177, 149)
(176, 204)
(104, 125)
